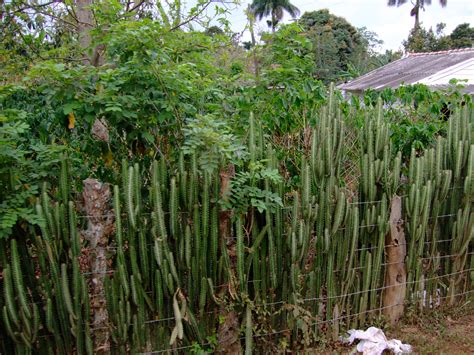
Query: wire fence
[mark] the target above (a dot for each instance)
(112, 271)
(124, 215)
(308, 300)
(317, 323)
(323, 298)
(112, 247)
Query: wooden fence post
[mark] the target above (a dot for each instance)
(395, 273)
(229, 330)
(100, 225)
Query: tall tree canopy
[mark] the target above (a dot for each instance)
(273, 8)
(335, 42)
(462, 36)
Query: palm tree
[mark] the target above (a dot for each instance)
(273, 8)
(417, 5)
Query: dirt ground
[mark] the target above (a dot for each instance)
(441, 332)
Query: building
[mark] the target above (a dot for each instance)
(434, 69)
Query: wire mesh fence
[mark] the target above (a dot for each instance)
(316, 323)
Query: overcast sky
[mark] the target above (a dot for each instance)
(392, 24)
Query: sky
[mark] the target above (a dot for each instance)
(392, 24)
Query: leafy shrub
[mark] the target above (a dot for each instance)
(24, 165)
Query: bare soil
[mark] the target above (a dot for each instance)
(439, 332)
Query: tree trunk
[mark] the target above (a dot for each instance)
(100, 225)
(84, 26)
(417, 19)
(416, 13)
(251, 19)
(395, 272)
(274, 21)
(229, 330)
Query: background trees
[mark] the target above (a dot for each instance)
(340, 50)
(427, 40)
(462, 36)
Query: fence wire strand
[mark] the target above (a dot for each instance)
(310, 299)
(112, 214)
(328, 321)
(339, 229)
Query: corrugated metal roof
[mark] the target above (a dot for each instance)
(433, 69)
(463, 70)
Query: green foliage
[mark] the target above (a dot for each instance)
(289, 55)
(407, 135)
(321, 45)
(37, 31)
(423, 40)
(175, 80)
(417, 114)
(335, 43)
(245, 193)
(211, 141)
(24, 165)
(286, 91)
(462, 36)
(214, 31)
(236, 68)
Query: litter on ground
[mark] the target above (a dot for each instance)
(373, 342)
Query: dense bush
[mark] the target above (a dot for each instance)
(150, 95)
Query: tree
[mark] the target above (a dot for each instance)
(423, 40)
(462, 36)
(85, 23)
(370, 39)
(251, 20)
(367, 56)
(273, 8)
(33, 26)
(415, 11)
(37, 23)
(336, 43)
(387, 57)
(288, 55)
(214, 31)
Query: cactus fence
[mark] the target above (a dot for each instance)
(170, 265)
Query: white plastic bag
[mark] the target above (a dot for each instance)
(373, 342)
